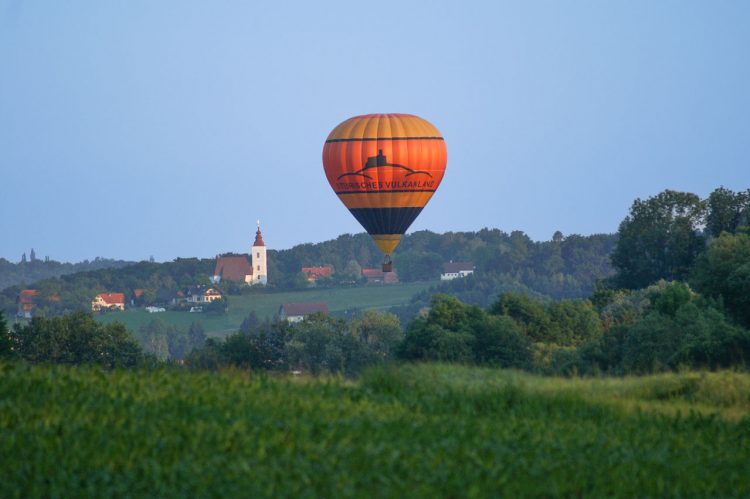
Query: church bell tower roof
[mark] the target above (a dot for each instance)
(258, 238)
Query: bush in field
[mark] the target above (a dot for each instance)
(456, 332)
(75, 339)
(563, 322)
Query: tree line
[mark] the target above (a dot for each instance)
(689, 307)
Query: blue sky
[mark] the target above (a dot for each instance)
(138, 128)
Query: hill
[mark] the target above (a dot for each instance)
(565, 267)
(418, 431)
(27, 272)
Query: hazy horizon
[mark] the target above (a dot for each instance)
(136, 129)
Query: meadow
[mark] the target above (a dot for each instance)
(266, 305)
(418, 430)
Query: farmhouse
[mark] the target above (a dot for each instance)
(250, 269)
(26, 302)
(315, 273)
(377, 276)
(453, 270)
(203, 294)
(108, 301)
(295, 312)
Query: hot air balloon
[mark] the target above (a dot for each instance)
(385, 168)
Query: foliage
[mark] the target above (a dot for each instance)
(564, 322)
(456, 332)
(166, 342)
(728, 211)
(6, 345)
(723, 270)
(75, 339)
(416, 431)
(319, 344)
(659, 239)
(34, 270)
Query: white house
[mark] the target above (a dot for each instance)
(453, 270)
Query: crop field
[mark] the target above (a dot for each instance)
(424, 431)
(267, 305)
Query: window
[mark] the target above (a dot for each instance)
(258, 267)
(257, 255)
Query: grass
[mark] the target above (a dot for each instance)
(267, 304)
(418, 431)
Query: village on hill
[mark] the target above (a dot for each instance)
(230, 269)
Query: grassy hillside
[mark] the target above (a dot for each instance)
(267, 304)
(416, 430)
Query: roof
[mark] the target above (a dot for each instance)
(297, 309)
(317, 272)
(26, 296)
(233, 268)
(137, 292)
(258, 238)
(456, 267)
(379, 275)
(112, 298)
(373, 273)
(203, 291)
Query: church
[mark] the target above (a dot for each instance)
(250, 269)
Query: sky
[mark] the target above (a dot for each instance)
(166, 129)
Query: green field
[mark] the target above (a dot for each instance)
(417, 431)
(267, 305)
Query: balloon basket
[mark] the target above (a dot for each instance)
(387, 264)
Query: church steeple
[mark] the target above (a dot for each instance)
(258, 258)
(258, 237)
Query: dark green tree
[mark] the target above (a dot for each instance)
(659, 239)
(76, 339)
(725, 210)
(723, 270)
(6, 345)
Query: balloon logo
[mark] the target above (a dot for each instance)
(385, 168)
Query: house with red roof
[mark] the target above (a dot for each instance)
(377, 276)
(295, 312)
(26, 301)
(315, 273)
(108, 301)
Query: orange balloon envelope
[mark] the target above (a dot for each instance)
(385, 168)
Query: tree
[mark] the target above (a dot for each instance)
(380, 331)
(6, 345)
(725, 210)
(659, 239)
(76, 339)
(530, 315)
(723, 270)
(249, 323)
(196, 335)
(418, 265)
(498, 341)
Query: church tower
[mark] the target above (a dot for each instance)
(258, 257)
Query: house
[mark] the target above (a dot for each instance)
(377, 276)
(295, 312)
(203, 294)
(108, 301)
(452, 270)
(315, 273)
(251, 269)
(26, 301)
